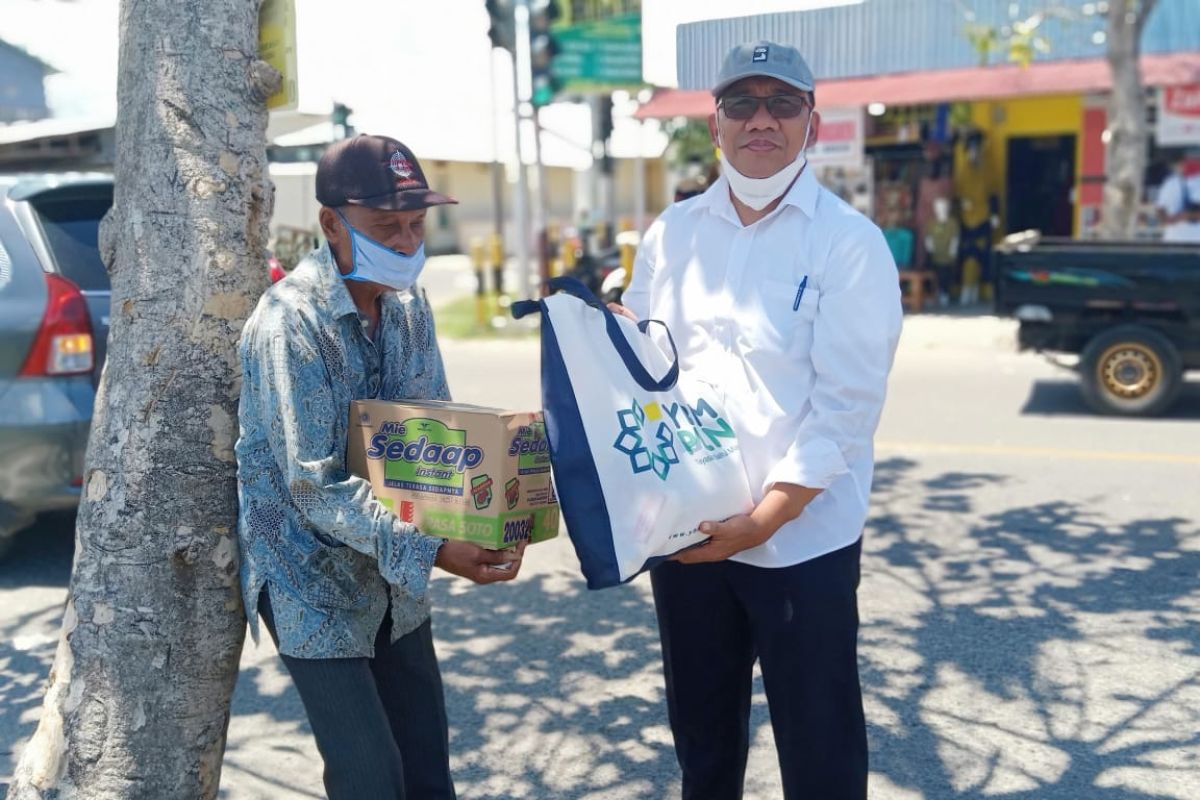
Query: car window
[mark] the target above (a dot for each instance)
(72, 226)
(17, 280)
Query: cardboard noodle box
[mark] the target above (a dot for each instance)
(458, 471)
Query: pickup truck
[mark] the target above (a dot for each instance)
(1129, 310)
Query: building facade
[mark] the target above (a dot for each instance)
(925, 113)
(22, 89)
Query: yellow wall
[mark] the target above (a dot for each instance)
(1000, 120)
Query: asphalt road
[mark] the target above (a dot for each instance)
(1029, 612)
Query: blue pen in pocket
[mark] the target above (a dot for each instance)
(800, 293)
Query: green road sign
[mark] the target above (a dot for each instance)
(599, 55)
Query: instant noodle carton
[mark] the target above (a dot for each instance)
(463, 472)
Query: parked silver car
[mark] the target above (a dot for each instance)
(54, 309)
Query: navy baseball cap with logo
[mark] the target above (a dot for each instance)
(376, 172)
(764, 60)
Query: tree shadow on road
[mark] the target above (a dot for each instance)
(1044, 651)
(561, 683)
(27, 644)
(1041, 652)
(34, 573)
(552, 691)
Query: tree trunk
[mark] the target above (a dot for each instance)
(138, 699)
(1127, 130)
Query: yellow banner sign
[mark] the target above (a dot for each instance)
(277, 46)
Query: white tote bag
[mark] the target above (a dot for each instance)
(641, 454)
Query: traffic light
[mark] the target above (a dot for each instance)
(602, 123)
(542, 50)
(340, 117)
(602, 128)
(502, 30)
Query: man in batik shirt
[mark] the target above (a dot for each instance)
(339, 580)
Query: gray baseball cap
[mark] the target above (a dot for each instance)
(764, 59)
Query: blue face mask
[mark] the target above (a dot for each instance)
(378, 263)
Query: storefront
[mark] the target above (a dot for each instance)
(1007, 147)
(1012, 148)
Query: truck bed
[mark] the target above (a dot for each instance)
(1065, 291)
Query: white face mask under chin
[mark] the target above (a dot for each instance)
(758, 193)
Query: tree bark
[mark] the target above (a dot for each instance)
(1127, 130)
(138, 699)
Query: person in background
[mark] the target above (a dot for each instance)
(1179, 201)
(941, 247)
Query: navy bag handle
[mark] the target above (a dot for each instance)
(576, 288)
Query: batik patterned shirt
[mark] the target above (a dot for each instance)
(330, 555)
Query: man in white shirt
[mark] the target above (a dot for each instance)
(787, 299)
(1179, 202)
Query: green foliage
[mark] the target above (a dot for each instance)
(1020, 40)
(1024, 37)
(484, 317)
(690, 143)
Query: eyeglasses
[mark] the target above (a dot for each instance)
(779, 106)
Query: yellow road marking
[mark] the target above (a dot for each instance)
(1036, 452)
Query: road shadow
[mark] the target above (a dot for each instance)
(564, 682)
(1017, 654)
(35, 571)
(561, 686)
(1062, 398)
(1040, 652)
(25, 657)
(1019, 651)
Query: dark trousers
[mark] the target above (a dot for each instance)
(946, 277)
(380, 723)
(801, 623)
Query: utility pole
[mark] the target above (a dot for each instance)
(497, 167)
(520, 101)
(522, 27)
(604, 193)
(543, 207)
(543, 88)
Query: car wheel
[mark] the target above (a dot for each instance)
(1131, 370)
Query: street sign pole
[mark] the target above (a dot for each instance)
(543, 206)
(521, 94)
(497, 167)
(602, 167)
(639, 181)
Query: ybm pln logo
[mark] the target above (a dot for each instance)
(655, 436)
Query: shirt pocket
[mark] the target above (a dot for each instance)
(785, 315)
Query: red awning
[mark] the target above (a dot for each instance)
(941, 86)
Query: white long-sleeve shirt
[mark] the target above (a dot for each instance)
(796, 319)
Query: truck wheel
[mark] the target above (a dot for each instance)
(1131, 371)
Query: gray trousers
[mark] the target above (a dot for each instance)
(380, 723)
